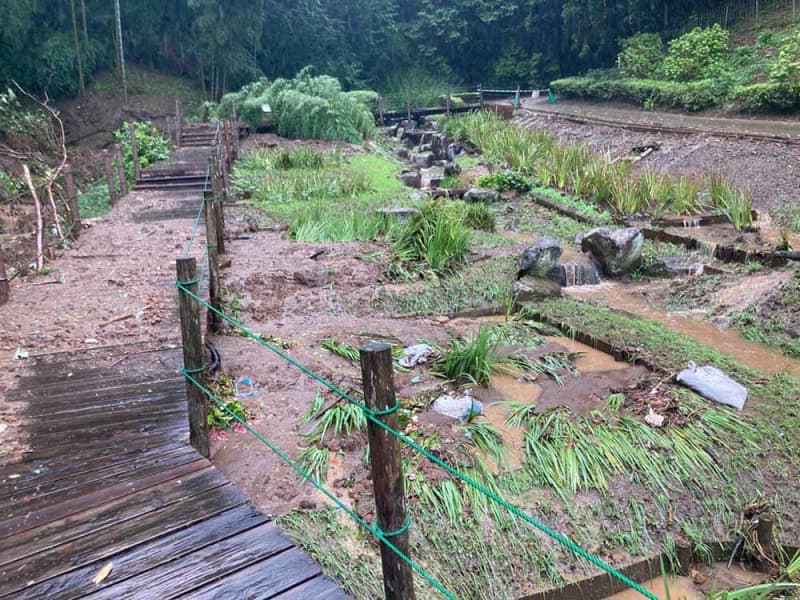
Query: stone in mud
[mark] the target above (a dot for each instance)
(410, 178)
(530, 289)
(402, 214)
(618, 251)
(311, 277)
(581, 272)
(539, 259)
(794, 332)
(675, 266)
(423, 159)
(439, 145)
(452, 169)
(482, 195)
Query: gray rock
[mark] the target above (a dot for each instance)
(580, 272)
(618, 251)
(529, 289)
(410, 178)
(398, 133)
(675, 266)
(401, 153)
(482, 195)
(415, 137)
(402, 214)
(423, 159)
(452, 169)
(439, 145)
(539, 259)
(794, 332)
(453, 150)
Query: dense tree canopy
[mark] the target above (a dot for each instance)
(54, 44)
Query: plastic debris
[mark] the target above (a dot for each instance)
(245, 388)
(462, 407)
(654, 419)
(713, 384)
(21, 354)
(419, 354)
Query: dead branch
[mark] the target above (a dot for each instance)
(39, 221)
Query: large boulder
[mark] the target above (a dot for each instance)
(675, 266)
(618, 251)
(423, 160)
(482, 195)
(530, 289)
(538, 260)
(410, 178)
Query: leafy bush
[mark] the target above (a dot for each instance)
(419, 86)
(474, 215)
(768, 97)
(94, 202)
(786, 68)
(692, 96)
(692, 55)
(368, 98)
(151, 146)
(642, 56)
(504, 180)
(17, 122)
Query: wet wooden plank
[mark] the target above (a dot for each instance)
(265, 579)
(32, 541)
(86, 482)
(133, 547)
(319, 588)
(62, 394)
(22, 520)
(204, 566)
(170, 407)
(90, 405)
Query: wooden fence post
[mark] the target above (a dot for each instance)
(192, 338)
(408, 106)
(387, 472)
(447, 103)
(216, 186)
(5, 286)
(212, 318)
(72, 202)
(480, 95)
(235, 118)
(137, 170)
(109, 171)
(178, 122)
(123, 180)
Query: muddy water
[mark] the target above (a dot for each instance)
(673, 588)
(726, 341)
(591, 360)
(506, 389)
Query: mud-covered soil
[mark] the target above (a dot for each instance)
(768, 169)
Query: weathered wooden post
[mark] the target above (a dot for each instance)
(178, 123)
(387, 473)
(192, 338)
(108, 169)
(72, 202)
(123, 180)
(5, 286)
(137, 170)
(223, 169)
(408, 107)
(216, 186)
(480, 95)
(212, 318)
(236, 130)
(447, 103)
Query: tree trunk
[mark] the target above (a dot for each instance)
(39, 221)
(85, 27)
(78, 53)
(120, 50)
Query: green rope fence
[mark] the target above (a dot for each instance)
(370, 414)
(198, 218)
(373, 529)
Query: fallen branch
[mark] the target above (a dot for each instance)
(26, 173)
(116, 320)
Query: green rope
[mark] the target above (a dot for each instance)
(386, 411)
(400, 531)
(193, 371)
(197, 219)
(376, 531)
(513, 509)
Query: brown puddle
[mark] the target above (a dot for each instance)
(591, 360)
(726, 341)
(671, 588)
(506, 389)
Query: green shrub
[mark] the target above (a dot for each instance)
(642, 56)
(368, 98)
(474, 215)
(692, 96)
(786, 69)
(692, 55)
(768, 97)
(94, 202)
(504, 180)
(151, 146)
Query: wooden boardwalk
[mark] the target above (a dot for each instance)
(106, 480)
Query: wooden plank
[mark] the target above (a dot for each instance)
(133, 547)
(157, 397)
(19, 477)
(22, 520)
(265, 579)
(202, 567)
(83, 483)
(27, 543)
(319, 588)
(126, 414)
(93, 389)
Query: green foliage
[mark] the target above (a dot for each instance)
(94, 202)
(768, 97)
(473, 359)
(504, 180)
(419, 86)
(517, 66)
(341, 419)
(737, 205)
(233, 412)
(474, 215)
(786, 68)
(18, 123)
(642, 56)
(300, 157)
(314, 461)
(151, 145)
(434, 239)
(368, 98)
(695, 54)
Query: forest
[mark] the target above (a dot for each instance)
(58, 46)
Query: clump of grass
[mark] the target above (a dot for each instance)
(520, 414)
(735, 204)
(625, 198)
(504, 181)
(341, 419)
(487, 439)
(686, 196)
(324, 224)
(314, 461)
(432, 239)
(345, 351)
(95, 201)
(472, 359)
(298, 157)
(474, 215)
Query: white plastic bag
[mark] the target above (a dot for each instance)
(713, 384)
